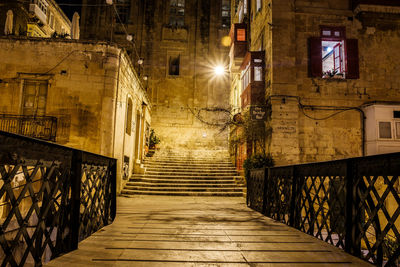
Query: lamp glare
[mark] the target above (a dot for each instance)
(219, 70)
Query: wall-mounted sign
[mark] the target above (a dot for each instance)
(258, 113)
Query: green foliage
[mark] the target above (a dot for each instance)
(257, 161)
(391, 246)
(154, 140)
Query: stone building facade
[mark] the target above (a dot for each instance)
(79, 94)
(180, 43)
(332, 88)
(36, 18)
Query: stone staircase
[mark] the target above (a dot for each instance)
(186, 176)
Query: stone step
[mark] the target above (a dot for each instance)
(193, 173)
(186, 175)
(155, 157)
(182, 181)
(178, 184)
(193, 177)
(173, 165)
(194, 194)
(198, 170)
(201, 163)
(187, 189)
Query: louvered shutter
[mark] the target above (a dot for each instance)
(315, 57)
(352, 59)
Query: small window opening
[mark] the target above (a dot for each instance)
(226, 14)
(258, 74)
(177, 13)
(174, 63)
(385, 130)
(129, 117)
(241, 35)
(333, 64)
(258, 5)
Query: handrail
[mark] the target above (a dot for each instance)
(54, 197)
(353, 204)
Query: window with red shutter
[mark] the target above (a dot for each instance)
(332, 56)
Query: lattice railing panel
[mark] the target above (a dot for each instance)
(377, 230)
(255, 190)
(40, 196)
(279, 194)
(94, 205)
(34, 200)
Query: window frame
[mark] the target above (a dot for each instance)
(350, 56)
(36, 97)
(129, 115)
(379, 130)
(175, 16)
(228, 17)
(170, 58)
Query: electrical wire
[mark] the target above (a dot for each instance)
(61, 61)
(323, 118)
(103, 5)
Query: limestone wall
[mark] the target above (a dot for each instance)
(298, 138)
(89, 85)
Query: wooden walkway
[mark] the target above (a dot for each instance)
(202, 231)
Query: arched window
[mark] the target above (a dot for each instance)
(129, 117)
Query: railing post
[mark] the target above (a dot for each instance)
(76, 177)
(267, 176)
(113, 185)
(352, 219)
(292, 209)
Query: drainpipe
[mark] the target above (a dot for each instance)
(116, 105)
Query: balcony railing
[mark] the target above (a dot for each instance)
(51, 198)
(41, 127)
(353, 204)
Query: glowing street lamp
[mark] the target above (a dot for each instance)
(219, 70)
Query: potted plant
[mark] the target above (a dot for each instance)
(153, 142)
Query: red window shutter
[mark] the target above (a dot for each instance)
(352, 59)
(315, 57)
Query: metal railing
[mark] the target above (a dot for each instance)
(51, 198)
(353, 204)
(41, 127)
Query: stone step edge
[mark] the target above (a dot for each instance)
(185, 185)
(220, 194)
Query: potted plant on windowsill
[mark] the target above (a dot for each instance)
(153, 142)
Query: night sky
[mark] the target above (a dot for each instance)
(70, 6)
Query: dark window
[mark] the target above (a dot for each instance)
(123, 7)
(34, 97)
(129, 117)
(174, 63)
(330, 53)
(177, 13)
(226, 13)
(385, 130)
(396, 114)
